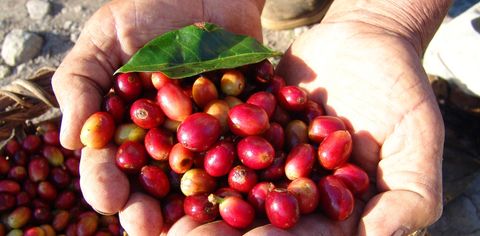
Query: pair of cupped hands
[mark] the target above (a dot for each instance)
(367, 73)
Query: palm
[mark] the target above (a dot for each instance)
(375, 81)
(360, 77)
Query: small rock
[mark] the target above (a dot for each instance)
(20, 46)
(4, 71)
(74, 37)
(38, 9)
(21, 68)
(78, 8)
(67, 25)
(299, 30)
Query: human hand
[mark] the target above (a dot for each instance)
(113, 34)
(366, 68)
(369, 72)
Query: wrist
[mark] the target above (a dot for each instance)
(412, 20)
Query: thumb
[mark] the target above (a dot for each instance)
(407, 211)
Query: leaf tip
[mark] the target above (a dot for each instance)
(200, 25)
(118, 71)
(205, 26)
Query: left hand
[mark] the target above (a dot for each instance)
(110, 37)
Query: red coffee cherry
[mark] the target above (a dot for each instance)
(174, 102)
(258, 194)
(336, 201)
(235, 211)
(146, 114)
(154, 180)
(131, 157)
(128, 86)
(300, 161)
(247, 119)
(353, 177)
(282, 208)
(219, 159)
(306, 192)
(321, 126)
(335, 149)
(242, 178)
(292, 98)
(198, 131)
(255, 152)
(200, 209)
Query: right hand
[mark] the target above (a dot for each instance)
(110, 37)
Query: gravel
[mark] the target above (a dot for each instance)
(38, 9)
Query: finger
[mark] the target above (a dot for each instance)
(409, 175)
(84, 76)
(215, 228)
(103, 185)
(78, 100)
(396, 212)
(141, 215)
(79, 93)
(316, 224)
(319, 224)
(186, 225)
(268, 230)
(183, 226)
(222, 228)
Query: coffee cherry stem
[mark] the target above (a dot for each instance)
(214, 199)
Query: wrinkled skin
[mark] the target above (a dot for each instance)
(368, 74)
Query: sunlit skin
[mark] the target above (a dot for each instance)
(362, 63)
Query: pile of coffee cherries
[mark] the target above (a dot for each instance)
(234, 143)
(40, 191)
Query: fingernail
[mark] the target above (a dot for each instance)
(102, 213)
(400, 232)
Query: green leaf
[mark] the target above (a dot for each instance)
(196, 49)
